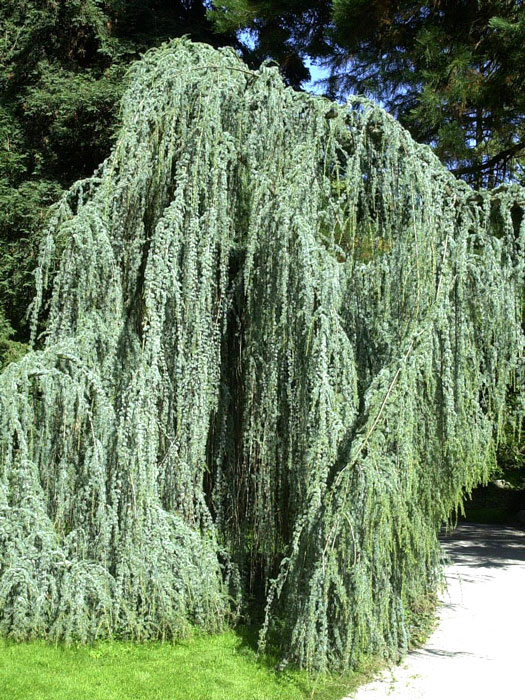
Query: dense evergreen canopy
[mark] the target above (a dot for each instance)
(62, 75)
(278, 342)
(451, 71)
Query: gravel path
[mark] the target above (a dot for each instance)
(477, 651)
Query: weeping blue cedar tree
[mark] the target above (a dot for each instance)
(279, 337)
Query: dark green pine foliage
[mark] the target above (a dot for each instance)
(279, 340)
(62, 75)
(451, 71)
(58, 94)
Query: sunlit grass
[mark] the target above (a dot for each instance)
(222, 667)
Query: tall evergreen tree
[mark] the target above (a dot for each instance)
(451, 72)
(62, 74)
(279, 339)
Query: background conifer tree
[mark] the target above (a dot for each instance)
(451, 72)
(62, 74)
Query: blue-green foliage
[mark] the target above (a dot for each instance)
(277, 350)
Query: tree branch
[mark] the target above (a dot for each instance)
(491, 162)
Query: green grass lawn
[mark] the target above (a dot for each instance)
(222, 667)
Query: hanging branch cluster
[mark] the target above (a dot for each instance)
(278, 341)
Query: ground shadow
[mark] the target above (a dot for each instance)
(486, 546)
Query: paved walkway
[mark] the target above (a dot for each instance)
(478, 650)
